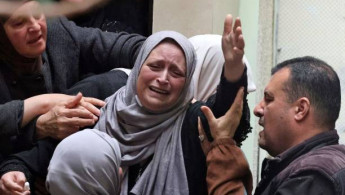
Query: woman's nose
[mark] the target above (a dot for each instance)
(163, 77)
(34, 25)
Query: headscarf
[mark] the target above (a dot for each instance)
(210, 62)
(142, 133)
(77, 171)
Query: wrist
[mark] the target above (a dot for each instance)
(40, 133)
(233, 71)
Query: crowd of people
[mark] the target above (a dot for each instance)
(93, 112)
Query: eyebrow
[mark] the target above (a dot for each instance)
(267, 93)
(16, 18)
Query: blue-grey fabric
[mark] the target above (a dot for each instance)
(77, 171)
(142, 133)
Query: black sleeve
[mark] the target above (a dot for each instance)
(11, 117)
(221, 102)
(100, 86)
(102, 51)
(32, 162)
(13, 137)
(306, 183)
(14, 164)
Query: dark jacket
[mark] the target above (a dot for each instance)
(316, 166)
(72, 53)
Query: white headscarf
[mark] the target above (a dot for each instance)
(142, 133)
(210, 62)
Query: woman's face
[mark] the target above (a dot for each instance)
(27, 30)
(162, 77)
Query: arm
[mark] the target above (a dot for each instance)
(40, 104)
(234, 76)
(227, 169)
(103, 51)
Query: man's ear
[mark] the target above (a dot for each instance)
(302, 108)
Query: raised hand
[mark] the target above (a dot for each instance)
(68, 117)
(233, 48)
(13, 183)
(225, 126)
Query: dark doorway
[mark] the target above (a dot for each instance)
(132, 16)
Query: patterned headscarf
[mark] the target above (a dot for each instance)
(142, 133)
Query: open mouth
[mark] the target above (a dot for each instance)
(261, 122)
(32, 41)
(160, 91)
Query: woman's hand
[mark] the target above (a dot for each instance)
(68, 117)
(225, 126)
(233, 48)
(13, 183)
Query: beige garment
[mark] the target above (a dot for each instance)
(227, 169)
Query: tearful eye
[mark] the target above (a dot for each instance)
(17, 23)
(178, 74)
(154, 67)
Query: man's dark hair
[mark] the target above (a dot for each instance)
(315, 79)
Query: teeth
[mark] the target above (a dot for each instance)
(158, 90)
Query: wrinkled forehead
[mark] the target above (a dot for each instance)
(177, 39)
(171, 43)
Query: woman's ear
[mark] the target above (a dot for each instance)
(302, 108)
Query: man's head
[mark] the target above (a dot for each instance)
(301, 100)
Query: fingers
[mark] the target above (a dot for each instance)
(205, 144)
(12, 182)
(94, 101)
(91, 108)
(20, 178)
(239, 39)
(78, 122)
(227, 25)
(26, 193)
(200, 128)
(208, 113)
(79, 112)
(237, 24)
(87, 102)
(74, 101)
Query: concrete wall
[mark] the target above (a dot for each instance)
(192, 17)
